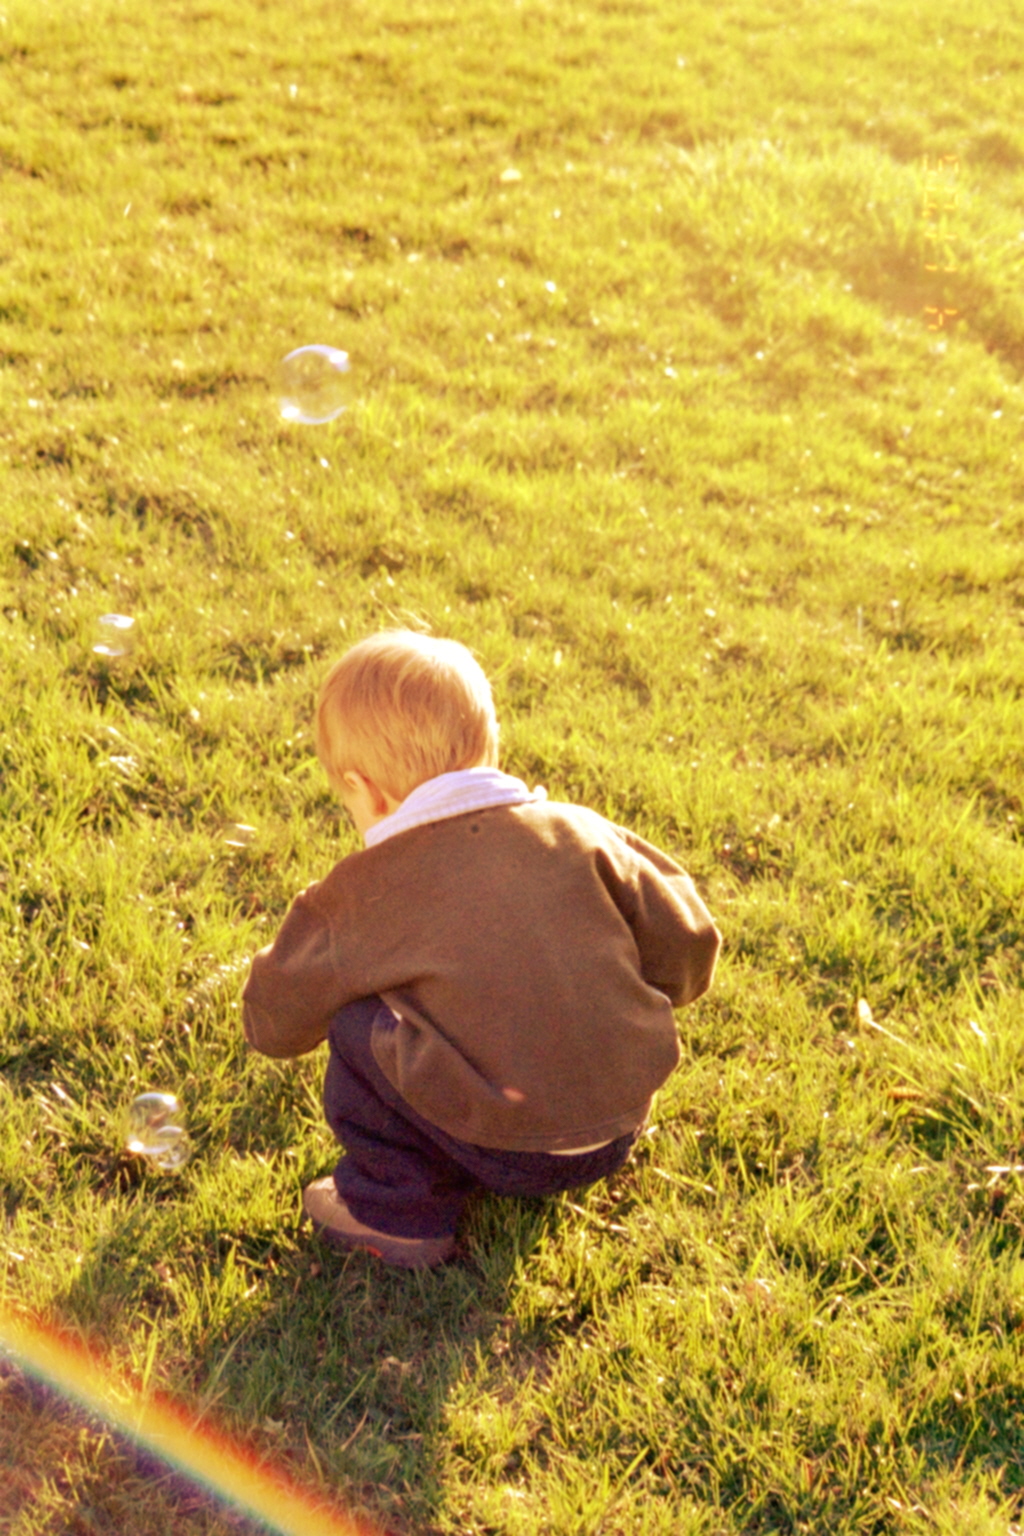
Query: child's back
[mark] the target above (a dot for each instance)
(532, 954)
(521, 960)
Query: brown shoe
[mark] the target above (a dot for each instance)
(336, 1225)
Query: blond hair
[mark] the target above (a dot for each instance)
(401, 707)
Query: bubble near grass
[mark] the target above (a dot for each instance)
(155, 1131)
(313, 385)
(115, 635)
(239, 834)
(170, 1150)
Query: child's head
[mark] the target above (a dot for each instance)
(400, 708)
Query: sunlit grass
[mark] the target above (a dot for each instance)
(659, 427)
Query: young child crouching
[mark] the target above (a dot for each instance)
(494, 973)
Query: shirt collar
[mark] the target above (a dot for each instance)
(452, 794)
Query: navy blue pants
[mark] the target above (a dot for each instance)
(404, 1176)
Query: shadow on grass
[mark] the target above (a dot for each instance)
(329, 1366)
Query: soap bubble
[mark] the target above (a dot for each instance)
(313, 384)
(239, 834)
(156, 1132)
(171, 1149)
(114, 635)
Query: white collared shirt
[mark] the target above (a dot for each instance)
(452, 794)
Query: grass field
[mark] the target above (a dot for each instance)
(687, 347)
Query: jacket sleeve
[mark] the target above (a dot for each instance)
(674, 931)
(294, 987)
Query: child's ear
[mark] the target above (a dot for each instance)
(381, 802)
(368, 789)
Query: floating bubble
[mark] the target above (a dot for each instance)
(313, 384)
(239, 834)
(156, 1133)
(115, 635)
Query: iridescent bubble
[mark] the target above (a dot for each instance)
(115, 635)
(155, 1131)
(313, 384)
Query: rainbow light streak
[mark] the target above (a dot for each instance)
(204, 1455)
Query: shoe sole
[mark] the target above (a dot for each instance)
(432, 1250)
(406, 1253)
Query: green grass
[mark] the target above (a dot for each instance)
(660, 429)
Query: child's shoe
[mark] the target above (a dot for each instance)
(335, 1223)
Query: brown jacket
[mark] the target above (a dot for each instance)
(533, 954)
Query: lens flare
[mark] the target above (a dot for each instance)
(206, 1456)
